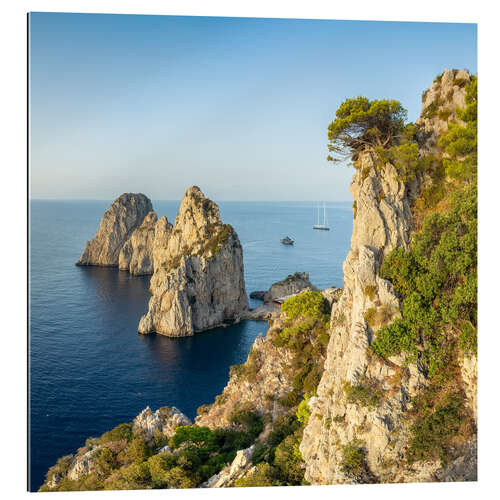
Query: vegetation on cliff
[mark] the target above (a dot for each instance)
(362, 124)
(436, 279)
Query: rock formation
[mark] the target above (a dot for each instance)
(382, 221)
(379, 226)
(240, 466)
(439, 104)
(136, 255)
(270, 380)
(293, 283)
(124, 215)
(164, 420)
(198, 280)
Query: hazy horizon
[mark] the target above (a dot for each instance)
(238, 106)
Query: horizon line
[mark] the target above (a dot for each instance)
(180, 199)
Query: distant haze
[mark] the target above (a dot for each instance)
(239, 107)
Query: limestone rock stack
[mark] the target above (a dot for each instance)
(136, 255)
(124, 215)
(198, 280)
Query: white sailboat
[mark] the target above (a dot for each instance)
(323, 226)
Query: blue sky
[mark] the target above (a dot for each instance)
(239, 107)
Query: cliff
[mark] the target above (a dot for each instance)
(373, 401)
(373, 383)
(439, 106)
(124, 215)
(379, 226)
(263, 379)
(198, 280)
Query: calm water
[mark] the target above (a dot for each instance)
(89, 368)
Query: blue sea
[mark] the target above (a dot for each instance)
(89, 368)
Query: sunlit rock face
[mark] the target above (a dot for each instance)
(119, 221)
(198, 281)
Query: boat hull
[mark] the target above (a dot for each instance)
(321, 228)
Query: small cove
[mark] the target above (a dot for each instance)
(89, 368)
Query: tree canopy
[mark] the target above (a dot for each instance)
(363, 124)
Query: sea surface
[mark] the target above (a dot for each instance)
(89, 368)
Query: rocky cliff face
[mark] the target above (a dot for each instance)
(136, 255)
(264, 378)
(124, 215)
(198, 281)
(439, 104)
(380, 224)
(382, 221)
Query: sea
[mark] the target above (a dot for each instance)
(89, 369)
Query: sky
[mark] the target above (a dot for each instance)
(238, 106)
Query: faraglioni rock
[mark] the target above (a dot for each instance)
(136, 255)
(198, 281)
(124, 215)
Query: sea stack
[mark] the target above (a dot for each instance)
(136, 255)
(198, 281)
(124, 215)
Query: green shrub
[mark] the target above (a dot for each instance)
(134, 477)
(289, 461)
(236, 371)
(248, 419)
(460, 82)
(220, 399)
(135, 451)
(303, 411)
(191, 433)
(291, 399)
(122, 431)
(435, 426)
(437, 280)
(393, 339)
(365, 173)
(283, 426)
(370, 292)
(60, 468)
(370, 316)
(264, 475)
(353, 459)
(438, 78)
(364, 393)
(444, 114)
(308, 305)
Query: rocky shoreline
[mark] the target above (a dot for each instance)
(314, 403)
